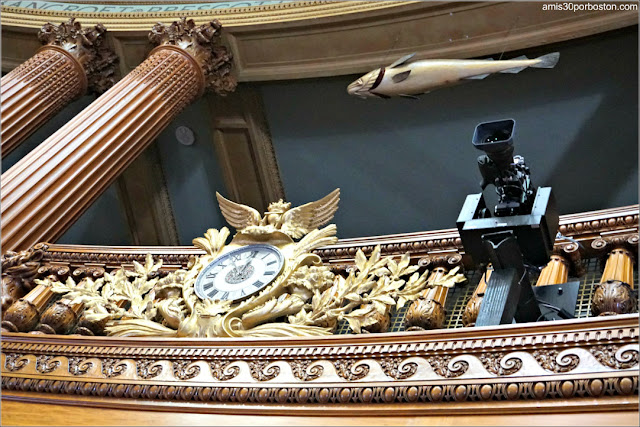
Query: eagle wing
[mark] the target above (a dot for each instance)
(239, 216)
(301, 220)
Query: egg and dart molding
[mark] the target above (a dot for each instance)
(267, 282)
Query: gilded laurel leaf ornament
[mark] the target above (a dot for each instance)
(500, 363)
(550, 360)
(304, 298)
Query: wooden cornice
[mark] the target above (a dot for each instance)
(580, 365)
(305, 39)
(593, 230)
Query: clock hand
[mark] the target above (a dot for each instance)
(253, 254)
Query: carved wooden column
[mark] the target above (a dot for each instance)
(564, 261)
(472, 309)
(46, 191)
(428, 311)
(72, 61)
(614, 294)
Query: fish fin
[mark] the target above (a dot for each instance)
(407, 96)
(520, 58)
(477, 77)
(547, 61)
(402, 60)
(513, 70)
(400, 77)
(379, 95)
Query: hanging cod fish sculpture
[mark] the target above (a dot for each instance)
(408, 79)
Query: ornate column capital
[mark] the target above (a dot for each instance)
(202, 43)
(87, 47)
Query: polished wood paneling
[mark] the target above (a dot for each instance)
(21, 413)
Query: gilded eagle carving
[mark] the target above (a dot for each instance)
(295, 222)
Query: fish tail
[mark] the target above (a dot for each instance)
(547, 61)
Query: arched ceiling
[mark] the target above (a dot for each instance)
(280, 40)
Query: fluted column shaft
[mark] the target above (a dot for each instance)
(619, 267)
(36, 90)
(555, 272)
(44, 193)
(73, 61)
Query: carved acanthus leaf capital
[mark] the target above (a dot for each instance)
(202, 43)
(87, 47)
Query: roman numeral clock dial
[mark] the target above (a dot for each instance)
(240, 273)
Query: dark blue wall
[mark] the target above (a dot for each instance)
(406, 165)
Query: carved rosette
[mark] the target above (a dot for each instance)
(202, 43)
(396, 369)
(303, 370)
(113, 367)
(608, 355)
(442, 366)
(351, 370)
(550, 361)
(185, 369)
(500, 363)
(613, 297)
(46, 364)
(79, 365)
(261, 371)
(148, 368)
(14, 362)
(222, 371)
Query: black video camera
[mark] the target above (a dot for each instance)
(510, 175)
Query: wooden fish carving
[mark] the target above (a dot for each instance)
(404, 78)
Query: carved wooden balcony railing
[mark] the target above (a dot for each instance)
(585, 364)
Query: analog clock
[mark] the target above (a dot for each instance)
(239, 273)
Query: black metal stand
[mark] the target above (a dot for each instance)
(509, 294)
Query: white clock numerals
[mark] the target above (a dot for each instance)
(240, 273)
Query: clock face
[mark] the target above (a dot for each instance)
(239, 273)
